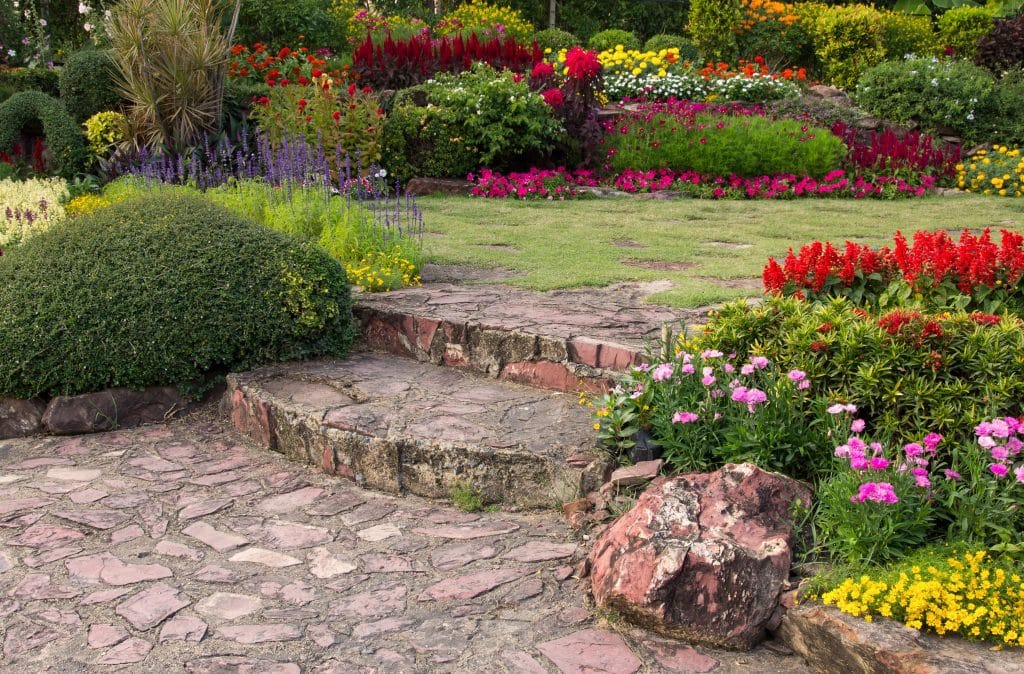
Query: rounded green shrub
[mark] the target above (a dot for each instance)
(904, 34)
(555, 39)
(952, 93)
(87, 84)
(63, 136)
(166, 289)
(712, 25)
(608, 39)
(847, 41)
(687, 50)
(961, 27)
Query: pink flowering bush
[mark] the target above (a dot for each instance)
(984, 487)
(535, 184)
(706, 409)
(877, 505)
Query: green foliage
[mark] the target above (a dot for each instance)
(418, 143)
(712, 24)
(903, 386)
(871, 532)
(162, 290)
(495, 120)
(1005, 120)
(279, 23)
(904, 34)
(555, 39)
(687, 50)
(466, 498)
(951, 93)
(608, 39)
(722, 145)
(87, 84)
(13, 80)
(63, 136)
(349, 123)
(586, 17)
(105, 131)
(686, 403)
(962, 27)
(171, 72)
(483, 18)
(847, 41)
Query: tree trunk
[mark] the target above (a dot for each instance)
(551, 13)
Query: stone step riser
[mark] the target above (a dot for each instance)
(398, 465)
(541, 361)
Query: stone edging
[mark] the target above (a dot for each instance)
(540, 361)
(89, 412)
(833, 642)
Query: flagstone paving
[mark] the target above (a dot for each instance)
(185, 548)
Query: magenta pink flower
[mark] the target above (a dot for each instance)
(1000, 453)
(663, 372)
(804, 385)
(796, 375)
(879, 463)
(760, 362)
(747, 369)
(880, 492)
(951, 474)
(999, 469)
(1018, 472)
(684, 417)
(857, 426)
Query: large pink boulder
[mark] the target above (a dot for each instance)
(702, 557)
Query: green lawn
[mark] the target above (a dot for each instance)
(715, 250)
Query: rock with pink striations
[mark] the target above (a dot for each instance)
(702, 557)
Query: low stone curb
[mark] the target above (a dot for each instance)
(542, 361)
(90, 412)
(832, 642)
(393, 425)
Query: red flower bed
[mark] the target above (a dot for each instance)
(396, 64)
(974, 271)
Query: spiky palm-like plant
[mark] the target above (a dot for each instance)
(170, 57)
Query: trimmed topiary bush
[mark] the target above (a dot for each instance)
(961, 27)
(63, 136)
(847, 41)
(87, 84)
(712, 26)
(608, 39)
(555, 39)
(687, 50)
(163, 290)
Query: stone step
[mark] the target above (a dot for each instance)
(567, 340)
(403, 426)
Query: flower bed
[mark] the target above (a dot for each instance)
(974, 273)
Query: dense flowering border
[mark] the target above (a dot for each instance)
(560, 184)
(930, 260)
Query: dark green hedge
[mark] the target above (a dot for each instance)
(163, 290)
(28, 79)
(87, 84)
(63, 135)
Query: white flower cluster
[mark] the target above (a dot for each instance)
(695, 88)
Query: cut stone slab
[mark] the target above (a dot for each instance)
(550, 340)
(471, 585)
(149, 608)
(220, 541)
(265, 557)
(637, 474)
(228, 606)
(398, 425)
(834, 642)
(591, 651)
(259, 634)
(127, 652)
(541, 551)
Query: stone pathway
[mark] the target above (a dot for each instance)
(183, 548)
